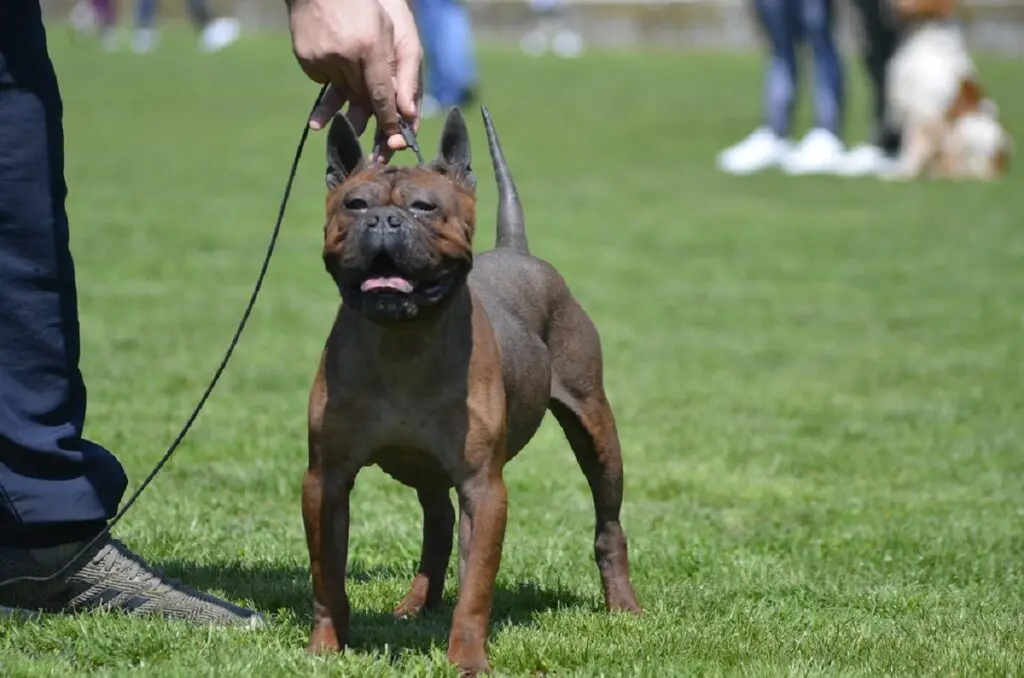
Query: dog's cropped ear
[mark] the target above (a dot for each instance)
(344, 154)
(453, 155)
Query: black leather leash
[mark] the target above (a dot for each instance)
(216, 375)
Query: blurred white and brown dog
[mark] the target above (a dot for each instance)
(951, 128)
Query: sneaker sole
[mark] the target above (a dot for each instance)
(18, 613)
(254, 623)
(809, 171)
(747, 171)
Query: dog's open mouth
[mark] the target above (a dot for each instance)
(385, 277)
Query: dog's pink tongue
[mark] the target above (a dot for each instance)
(394, 284)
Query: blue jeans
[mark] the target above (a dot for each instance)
(789, 24)
(145, 13)
(448, 47)
(55, 485)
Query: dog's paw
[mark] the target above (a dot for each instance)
(626, 607)
(620, 597)
(410, 608)
(471, 661)
(475, 669)
(323, 640)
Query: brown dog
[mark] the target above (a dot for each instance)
(439, 371)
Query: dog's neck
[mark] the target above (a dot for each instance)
(396, 346)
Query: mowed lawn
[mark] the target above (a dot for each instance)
(818, 382)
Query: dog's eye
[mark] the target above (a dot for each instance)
(355, 204)
(422, 206)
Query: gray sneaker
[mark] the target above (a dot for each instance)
(111, 578)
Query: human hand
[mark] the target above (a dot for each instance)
(370, 53)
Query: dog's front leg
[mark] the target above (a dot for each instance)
(483, 505)
(323, 638)
(920, 145)
(334, 554)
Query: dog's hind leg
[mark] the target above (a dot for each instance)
(579, 404)
(438, 527)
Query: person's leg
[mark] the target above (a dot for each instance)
(106, 10)
(145, 14)
(551, 26)
(428, 21)
(146, 35)
(49, 474)
(881, 37)
(57, 489)
(214, 34)
(821, 150)
(780, 84)
(769, 145)
(816, 18)
(456, 56)
(198, 12)
(448, 46)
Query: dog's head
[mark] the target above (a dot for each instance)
(398, 240)
(921, 10)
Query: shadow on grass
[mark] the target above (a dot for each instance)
(277, 587)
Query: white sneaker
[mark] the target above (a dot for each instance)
(219, 33)
(84, 18)
(759, 151)
(534, 43)
(864, 160)
(145, 40)
(111, 40)
(819, 152)
(567, 44)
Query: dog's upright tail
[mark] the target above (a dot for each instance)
(511, 223)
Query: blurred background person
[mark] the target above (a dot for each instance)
(447, 36)
(552, 31)
(89, 18)
(214, 34)
(880, 37)
(789, 25)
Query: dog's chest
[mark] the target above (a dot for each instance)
(414, 467)
(416, 440)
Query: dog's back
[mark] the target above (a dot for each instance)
(927, 70)
(545, 338)
(508, 276)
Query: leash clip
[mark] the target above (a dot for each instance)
(410, 139)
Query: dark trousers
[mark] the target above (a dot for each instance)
(880, 39)
(789, 24)
(52, 480)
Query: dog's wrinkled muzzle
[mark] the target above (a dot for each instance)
(383, 231)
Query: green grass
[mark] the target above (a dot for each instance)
(818, 382)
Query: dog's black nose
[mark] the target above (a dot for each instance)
(394, 221)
